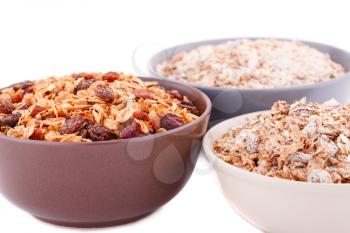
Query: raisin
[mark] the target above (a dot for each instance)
(110, 76)
(143, 93)
(83, 75)
(104, 92)
(22, 85)
(37, 135)
(190, 107)
(170, 121)
(100, 133)
(73, 124)
(10, 119)
(36, 109)
(130, 129)
(175, 94)
(6, 106)
(140, 115)
(84, 84)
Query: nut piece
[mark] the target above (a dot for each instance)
(104, 92)
(170, 121)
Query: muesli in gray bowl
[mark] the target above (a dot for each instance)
(246, 75)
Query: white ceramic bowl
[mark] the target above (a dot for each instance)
(276, 205)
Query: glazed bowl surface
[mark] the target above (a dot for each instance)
(275, 205)
(229, 102)
(95, 184)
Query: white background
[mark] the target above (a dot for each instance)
(42, 38)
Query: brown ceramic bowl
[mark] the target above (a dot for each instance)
(102, 183)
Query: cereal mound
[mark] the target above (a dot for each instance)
(88, 107)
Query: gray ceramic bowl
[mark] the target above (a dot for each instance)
(230, 102)
(96, 184)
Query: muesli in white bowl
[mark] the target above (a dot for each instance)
(286, 170)
(302, 141)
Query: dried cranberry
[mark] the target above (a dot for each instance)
(100, 133)
(143, 93)
(24, 107)
(36, 109)
(110, 76)
(104, 92)
(190, 107)
(22, 85)
(73, 124)
(175, 94)
(83, 75)
(84, 84)
(130, 129)
(37, 135)
(6, 106)
(28, 90)
(10, 119)
(170, 121)
(18, 96)
(140, 115)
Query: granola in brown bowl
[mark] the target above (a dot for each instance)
(88, 107)
(300, 141)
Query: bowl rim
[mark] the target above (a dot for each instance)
(219, 164)
(153, 71)
(199, 93)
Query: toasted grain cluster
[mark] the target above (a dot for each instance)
(303, 142)
(263, 63)
(91, 107)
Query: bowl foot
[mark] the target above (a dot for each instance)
(93, 224)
